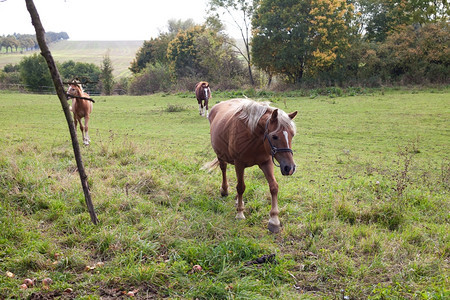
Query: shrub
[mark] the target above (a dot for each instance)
(155, 78)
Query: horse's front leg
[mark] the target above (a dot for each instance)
(240, 188)
(274, 223)
(200, 108)
(86, 139)
(224, 187)
(76, 120)
(206, 106)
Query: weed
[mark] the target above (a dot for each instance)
(171, 108)
(404, 161)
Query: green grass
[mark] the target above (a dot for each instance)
(121, 53)
(365, 215)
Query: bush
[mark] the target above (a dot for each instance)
(155, 78)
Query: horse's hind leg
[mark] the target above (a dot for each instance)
(224, 187)
(240, 188)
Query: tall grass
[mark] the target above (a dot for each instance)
(365, 215)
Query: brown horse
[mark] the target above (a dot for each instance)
(245, 133)
(80, 108)
(203, 93)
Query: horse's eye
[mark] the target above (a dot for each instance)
(275, 137)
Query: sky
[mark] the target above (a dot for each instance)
(105, 20)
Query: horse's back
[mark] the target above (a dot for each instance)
(225, 108)
(226, 128)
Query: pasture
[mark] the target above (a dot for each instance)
(121, 54)
(366, 215)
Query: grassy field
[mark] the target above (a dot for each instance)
(121, 53)
(366, 215)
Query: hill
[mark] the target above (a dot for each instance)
(120, 52)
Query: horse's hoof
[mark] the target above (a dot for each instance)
(274, 228)
(223, 192)
(240, 216)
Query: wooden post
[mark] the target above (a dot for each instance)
(40, 36)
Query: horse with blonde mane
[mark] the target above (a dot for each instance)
(245, 133)
(81, 108)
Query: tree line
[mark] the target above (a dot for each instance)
(27, 42)
(284, 44)
(32, 73)
(308, 42)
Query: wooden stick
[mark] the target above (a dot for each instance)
(40, 36)
(79, 97)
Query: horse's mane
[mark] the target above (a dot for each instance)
(79, 87)
(251, 112)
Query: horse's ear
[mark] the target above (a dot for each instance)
(274, 116)
(292, 114)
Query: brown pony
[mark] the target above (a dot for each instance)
(203, 93)
(80, 108)
(245, 133)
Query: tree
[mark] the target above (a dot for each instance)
(152, 51)
(34, 73)
(10, 42)
(107, 78)
(417, 54)
(329, 33)
(379, 17)
(291, 37)
(174, 26)
(84, 71)
(155, 50)
(40, 35)
(280, 37)
(182, 53)
(245, 10)
(215, 53)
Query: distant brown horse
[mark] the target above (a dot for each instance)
(203, 93)
(80, 108)
(245, 133)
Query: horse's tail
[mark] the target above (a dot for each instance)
(210, 166)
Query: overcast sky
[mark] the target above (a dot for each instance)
(101, 19)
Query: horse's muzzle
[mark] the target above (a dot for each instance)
(287, 169)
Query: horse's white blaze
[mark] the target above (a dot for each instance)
(286, 136)
(206, 94)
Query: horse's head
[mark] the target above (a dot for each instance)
(74, 89)
(278, 140)
(206, 90)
